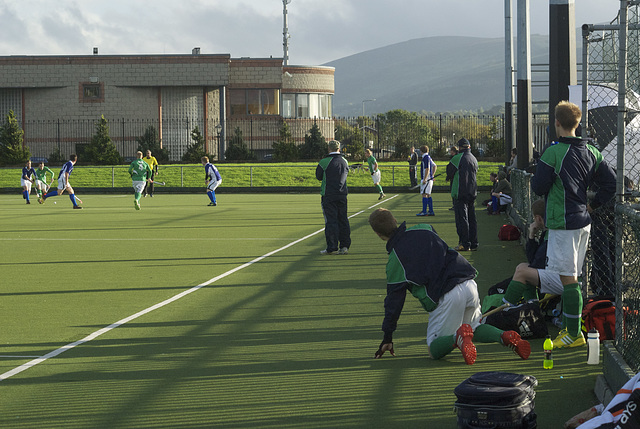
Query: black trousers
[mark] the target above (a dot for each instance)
(466, 223)
(336, 222)
(412, 175)
(148, 187)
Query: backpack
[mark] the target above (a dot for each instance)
(526, 319)
(509, 233)
(601, 315)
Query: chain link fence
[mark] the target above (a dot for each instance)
(612, 266)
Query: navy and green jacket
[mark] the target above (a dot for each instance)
(463, 170)
(422, 264)
(332, 171)
(564, 173)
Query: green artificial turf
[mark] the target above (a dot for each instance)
(285, 341)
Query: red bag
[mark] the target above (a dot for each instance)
(509, 233)
(601, 315)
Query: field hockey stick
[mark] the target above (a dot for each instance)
(158, 183)
(78, 200)
(544, 300)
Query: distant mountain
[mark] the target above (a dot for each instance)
(432, 74)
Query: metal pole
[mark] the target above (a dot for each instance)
(285, 33)
(524, 133)
(585, 79)
(510, 138)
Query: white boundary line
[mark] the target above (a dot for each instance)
(174, 298)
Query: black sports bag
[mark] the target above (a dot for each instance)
(495, 399)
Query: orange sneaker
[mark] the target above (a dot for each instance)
(519, 346)
(464, 335)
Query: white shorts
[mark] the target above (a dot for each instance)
(376, 177)
(448, 316)
(138, 185)
(213, 185)
(41, 185)
(550, 282)
(425, 188)
(566, 250)
(61, 183)
(24, 183)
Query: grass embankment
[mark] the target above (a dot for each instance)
(241, 175)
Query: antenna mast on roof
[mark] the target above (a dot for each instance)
(285, 33)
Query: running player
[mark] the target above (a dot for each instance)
(375, 172)
(41, 176)
(140, 173)
(212, 179)
(63, 183)
(427, 171)
(27, 179)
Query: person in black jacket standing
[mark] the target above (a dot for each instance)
(413, 161)
(463, 169)
(332, 171)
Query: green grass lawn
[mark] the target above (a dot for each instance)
(239, 175)
(279, 337)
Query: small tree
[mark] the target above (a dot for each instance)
(57, 157)
(101, 150)
(237, 150)
(12, 151)
(150, 141)
(285, 149)
(195, 151)
(314, 146)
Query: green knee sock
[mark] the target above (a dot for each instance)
(487, 334)
(379, 188)
(442, 346)
(572, 308)
(515, 292)
(138, 195)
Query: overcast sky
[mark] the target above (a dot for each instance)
(321, 30)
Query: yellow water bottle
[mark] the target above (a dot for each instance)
(548, 358)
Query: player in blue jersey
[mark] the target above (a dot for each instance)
(427, 171)
(63, 183)
(28, 178)
(212, 179)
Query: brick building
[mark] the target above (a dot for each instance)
(59, 99)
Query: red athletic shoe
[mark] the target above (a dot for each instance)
(464, 335)
(519, 346)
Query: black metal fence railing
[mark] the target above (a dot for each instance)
(389, 135)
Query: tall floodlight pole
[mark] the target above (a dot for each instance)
(562, 55)
(285, 32)
(524, 134)
(509, 128)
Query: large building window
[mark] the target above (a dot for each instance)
(254, 102)
(306, 106)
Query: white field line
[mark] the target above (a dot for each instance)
(174, 298)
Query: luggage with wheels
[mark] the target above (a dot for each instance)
(495, 399)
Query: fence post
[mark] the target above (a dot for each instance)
(113, 177)
(393, 175)
(251, 177)
(182, 176)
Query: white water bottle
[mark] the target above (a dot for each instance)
(593, 347)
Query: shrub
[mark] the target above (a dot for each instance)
(12, 151)
(237, 150)
(315, 146)
(285, 149)
(150, 141)
(195, 151)
(101, 150)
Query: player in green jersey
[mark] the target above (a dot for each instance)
(375, 172)
(140, 173)
(42, 180)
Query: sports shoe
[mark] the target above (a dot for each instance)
(431, 214)
(329, 252)
(519, 346)
(211, 204)
(40, 200)
(464, 335)
(343, 251)
(136, 204)
(564, 340)
(473, 249)
(80, 207)
(421, 214)
(381, 196)
(460, 248)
